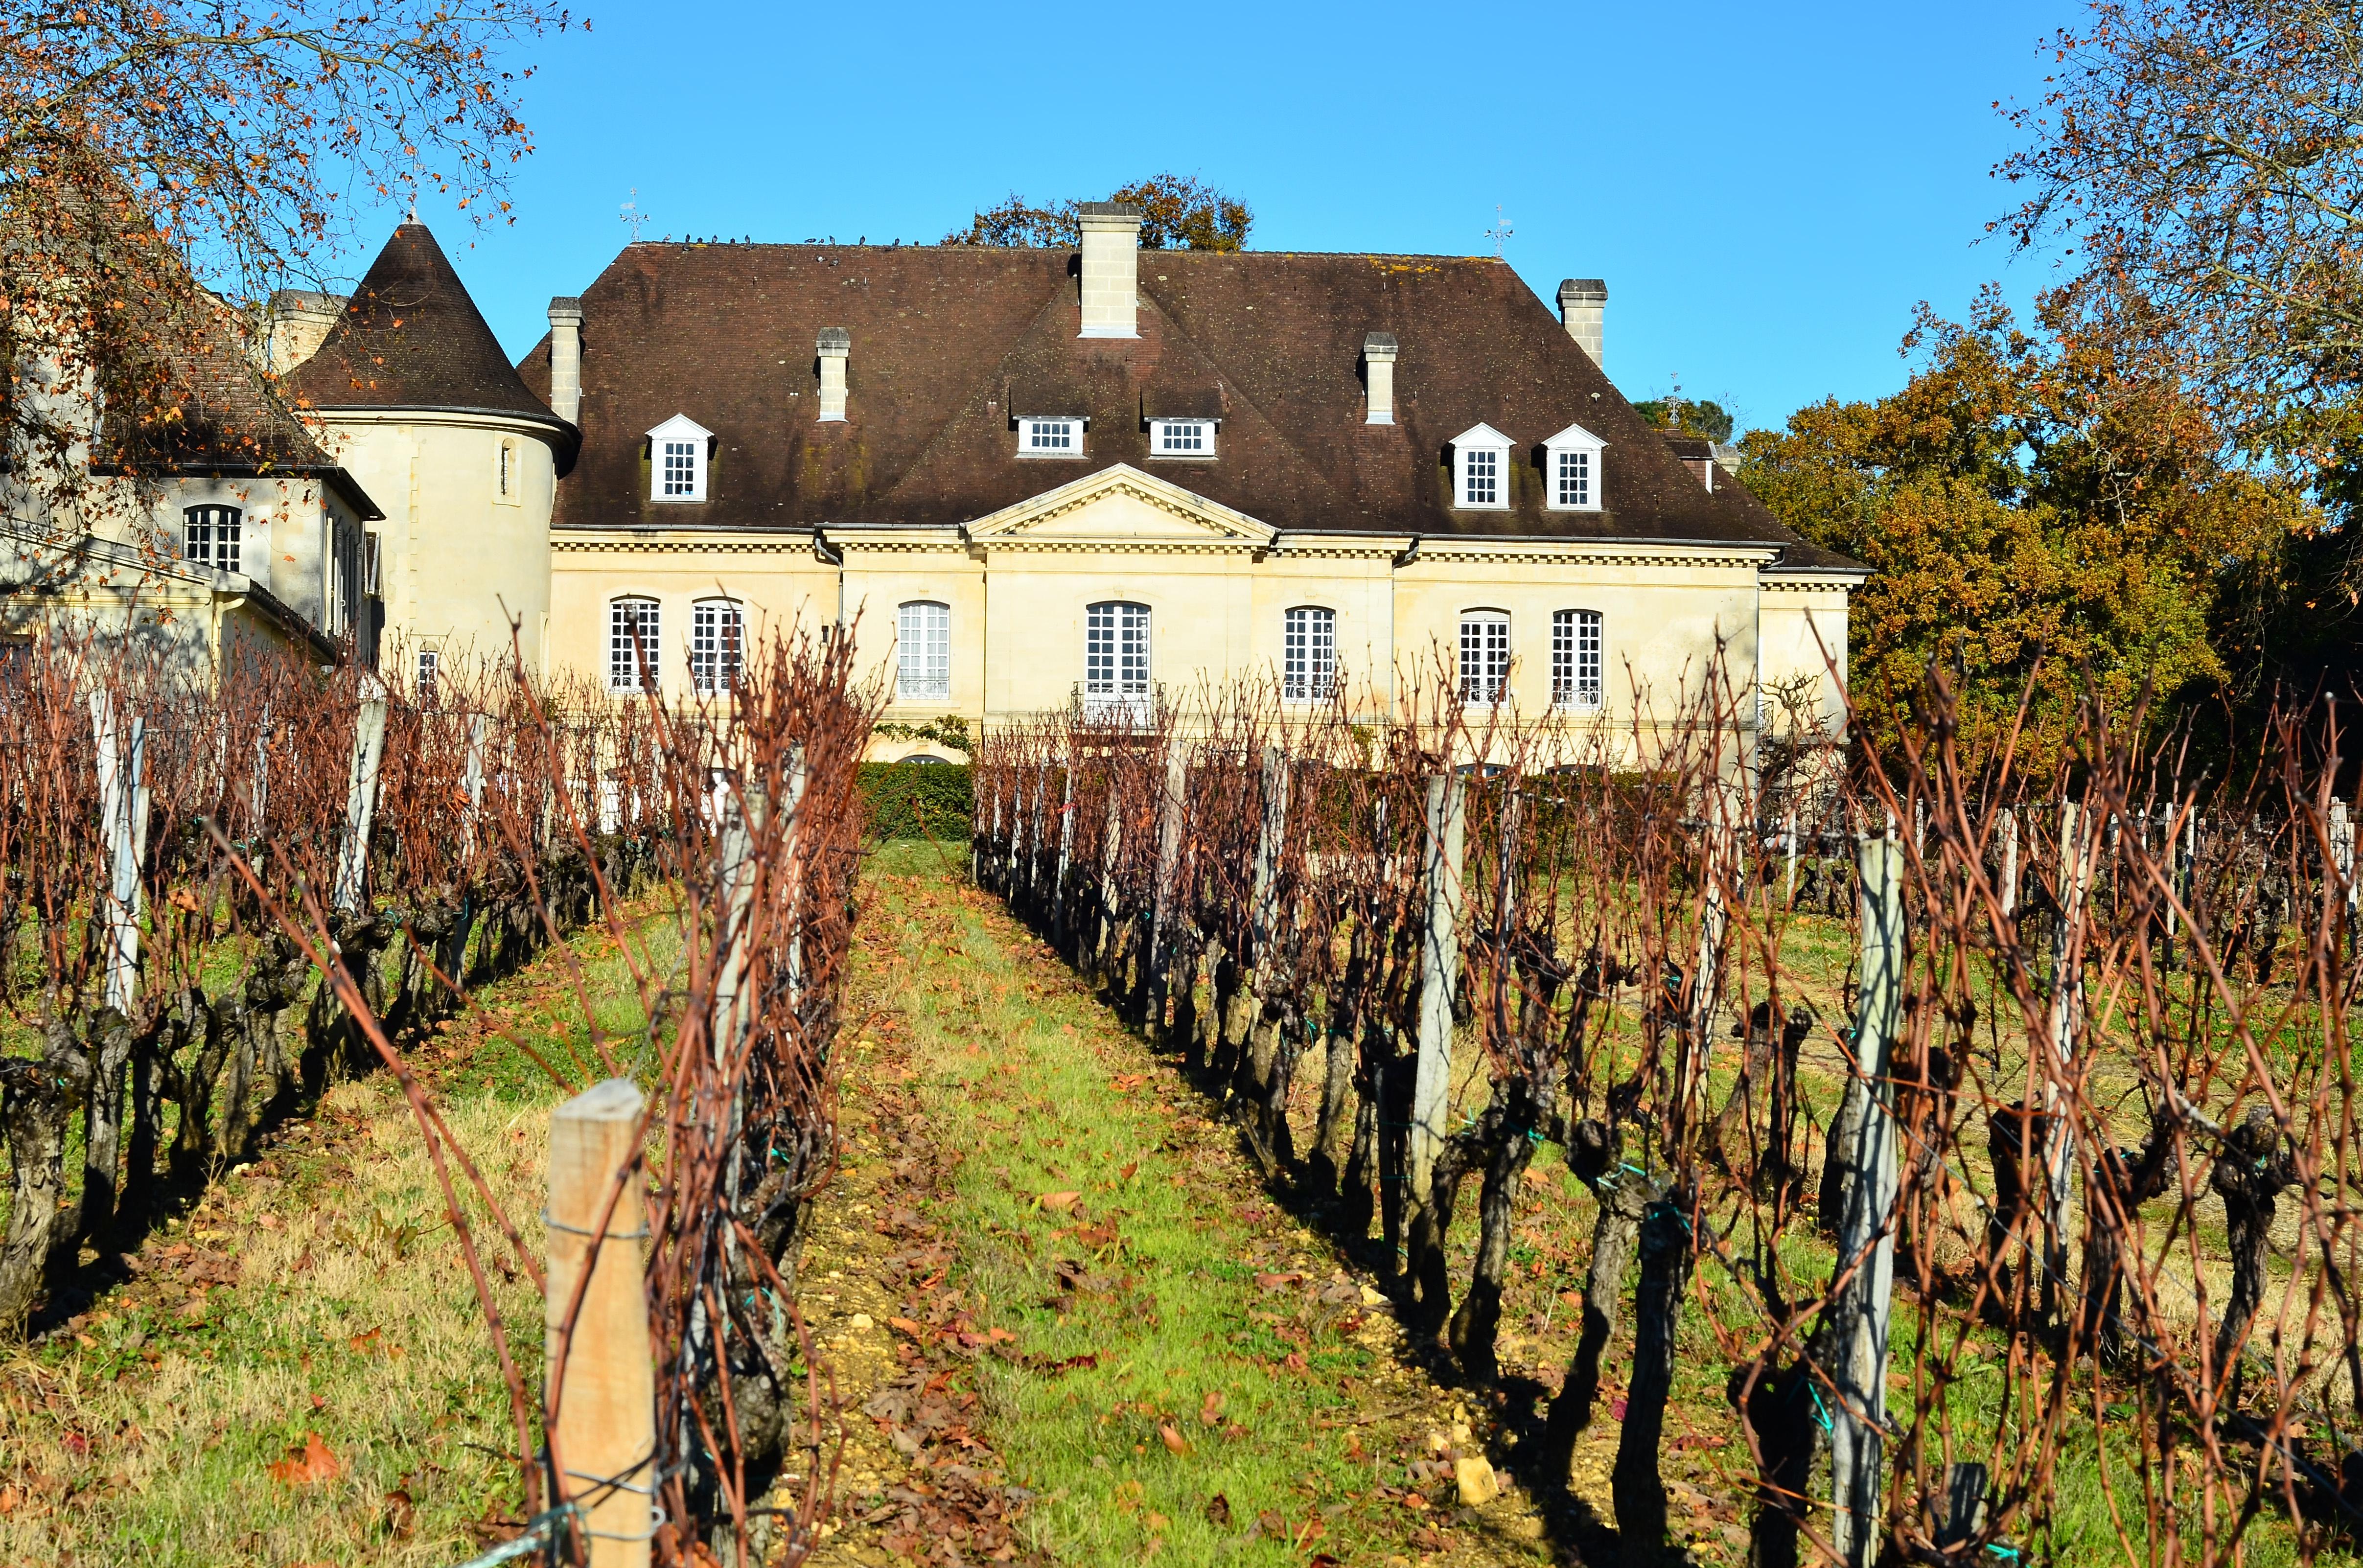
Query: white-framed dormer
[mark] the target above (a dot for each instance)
(1572, 470)
(1182, 439)
(1051, 434)
(1481, 470)
(677, 450)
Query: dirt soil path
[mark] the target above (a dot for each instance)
(1065, 1320)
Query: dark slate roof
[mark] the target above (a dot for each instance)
(950, 343)
(411, 337)
(210, 413)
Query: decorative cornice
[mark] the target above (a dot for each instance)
(1007, 527)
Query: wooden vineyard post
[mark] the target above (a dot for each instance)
(1065, 851)
(2066, 998)
(2342, 850)
(122, 815)
(2009, 861)
(601, 1382)
(1169, 870)
(1439, 966)
(360, 794)
(979, 838)
(1789, 848)
(1859, 1314)
(1706, 974)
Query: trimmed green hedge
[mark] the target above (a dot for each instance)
(904, 799)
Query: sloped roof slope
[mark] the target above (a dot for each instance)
(949, 345)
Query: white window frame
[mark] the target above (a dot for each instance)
(625, 653)
(681, 430)
(1579, 659)
(1484, 657)
(214, 551)
(1575, 440)
(1031, 427)
(923, 651)
(718, 644)
(1308, 653)
(1480, 438)
(1117, 659)
(429, 664)
(1202, 431)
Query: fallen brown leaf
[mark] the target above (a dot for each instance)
(307, 1463)
(1173, 1439)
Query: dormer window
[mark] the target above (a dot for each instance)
(677, 450)
(1050, 436)
(1481, 470)
(1181, 437)
(1571, 469)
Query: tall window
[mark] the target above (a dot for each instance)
(1484, 655)
(717, 641)
(506, 481)
(1573, 480)
(922, 650)
(210, 536)
(1308, 669)
(1115, 658)
(633, 645)
(430, 663)
(1481, 478)
(681, 467)
(1575, 659)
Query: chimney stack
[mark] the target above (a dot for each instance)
(1582, 302)
(1111, 270)
(300, 320)
(566, 359)
(836, 347)
(1379, 367)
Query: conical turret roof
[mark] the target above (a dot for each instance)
(411, 338)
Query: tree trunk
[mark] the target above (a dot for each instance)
(1622, 1196)
(37, 1098)
(1638, 1490)
(2249, 1176)
(1431, 1272)
(1505, 1149)
(2014, 1139)
(1780, 1416)
(101, 1156)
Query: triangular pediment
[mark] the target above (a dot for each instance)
(1121, 505)
(1481, 436)
(680, 427)
(1574, 435)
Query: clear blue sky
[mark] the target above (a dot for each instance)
(1767, 189)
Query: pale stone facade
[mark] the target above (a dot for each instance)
(828, 441)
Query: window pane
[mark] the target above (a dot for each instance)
(1309, 653)
(1484, 655)
(1575, 659)
(924, 650)
(1482, 469)
(1574, 478)
(716, 638)
(1116, 659)
(210, 536)
(681, 467)
(632, 645)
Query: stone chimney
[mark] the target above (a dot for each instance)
(836, 347)
(566, 359)
(1111, 270)
(1379, 367)
(1582, 302)
(300, 320)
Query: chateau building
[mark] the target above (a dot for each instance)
(1028, 480)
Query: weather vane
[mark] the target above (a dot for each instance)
(632, 216)
(1499, 232)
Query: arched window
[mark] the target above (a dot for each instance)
(717, 643)
(507, 483)
(634, 645)
(1575, 659)
(923, 651)
(1308, 661)
(1116, 660)
(1484, 655)
(210, 536)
